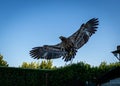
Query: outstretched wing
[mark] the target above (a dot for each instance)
(80, 37)
(77, 40)
(47, 52)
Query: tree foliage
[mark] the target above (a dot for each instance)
(70, 75)
(37, 65)
(79, 73)
(3, 62)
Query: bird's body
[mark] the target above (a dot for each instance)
(69, 45)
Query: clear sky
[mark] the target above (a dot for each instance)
(25, 24)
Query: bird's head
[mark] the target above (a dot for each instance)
(62, 38)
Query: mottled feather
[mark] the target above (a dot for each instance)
(68, 47)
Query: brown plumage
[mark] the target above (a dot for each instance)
(69, 45)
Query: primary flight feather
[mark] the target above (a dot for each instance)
(69, 45)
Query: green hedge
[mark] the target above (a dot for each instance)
(71, 75)
(34, 77)
(21, 77)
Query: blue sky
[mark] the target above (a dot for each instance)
(25, 24)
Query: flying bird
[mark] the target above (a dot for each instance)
(68, 46)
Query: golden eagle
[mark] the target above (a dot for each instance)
(69, 45)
